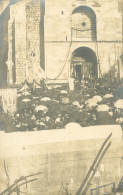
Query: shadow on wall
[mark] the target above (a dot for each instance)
(4, 18)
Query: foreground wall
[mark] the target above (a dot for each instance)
(61, 155)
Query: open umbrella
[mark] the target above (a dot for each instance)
(103, 108)
(97, 98)
(119, 104)
(45, 99)
(41, 108)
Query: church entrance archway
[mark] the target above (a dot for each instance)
(83, 64)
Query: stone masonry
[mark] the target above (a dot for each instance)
(32, 37)
(26, 40)
(48, 36)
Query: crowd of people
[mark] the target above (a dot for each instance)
(42, 107)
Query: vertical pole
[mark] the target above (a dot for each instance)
(122, 25)
(18, 190)
(91, 191)
(70, 64)
(42, 41)
(114, 188)
(9, 62)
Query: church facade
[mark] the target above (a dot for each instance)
(63, 39)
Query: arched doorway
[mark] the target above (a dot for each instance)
(84, 64)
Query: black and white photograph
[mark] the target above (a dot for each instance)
(61, 97)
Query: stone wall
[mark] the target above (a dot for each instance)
(107, 54)
(17, 24)
(59, 20)
(58, 41)
(33, 14)
(109, 25)
(26, 38)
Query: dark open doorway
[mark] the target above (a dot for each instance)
(84, 63)
(78, 69)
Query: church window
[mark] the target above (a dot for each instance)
(84, 23)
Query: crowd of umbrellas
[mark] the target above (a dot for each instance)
(42, 107)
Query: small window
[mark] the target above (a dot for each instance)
(33, 54)
(83, 23)
(62, 13)
(27, 7)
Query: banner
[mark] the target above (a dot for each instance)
(9, 100)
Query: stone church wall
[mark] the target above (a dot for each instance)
(60, 39)
(58, 18)
(18, 25)
(108, 53)
(33, 13)
(27, 39)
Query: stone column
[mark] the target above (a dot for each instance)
(9, 62)
(10, 72)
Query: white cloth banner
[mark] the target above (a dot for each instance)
(9, 100)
